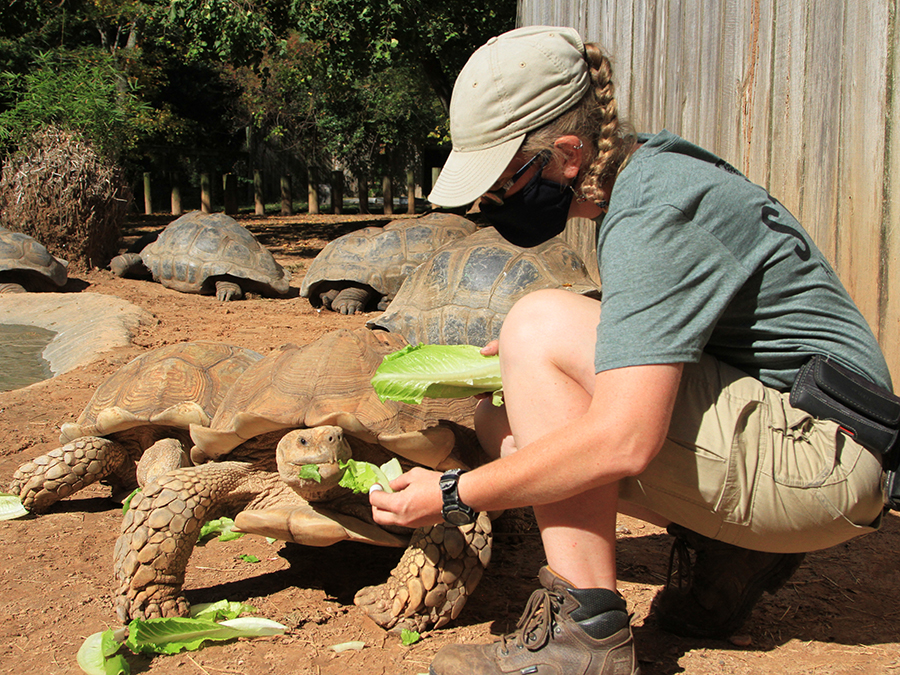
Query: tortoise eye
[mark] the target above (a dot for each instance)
(303, 441)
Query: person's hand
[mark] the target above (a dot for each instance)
(492, 348)
(415, 502)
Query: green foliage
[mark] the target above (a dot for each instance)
(82, 92)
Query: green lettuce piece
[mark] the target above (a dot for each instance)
(361, 476)
(97, 655)
(436, 371)
(221, 527)
(174, 634)
(409, 637)
(127, 503)
(221, 610)
(11, 507)
(310, 472)
(247, 557)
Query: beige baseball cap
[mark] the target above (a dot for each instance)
(513, 84)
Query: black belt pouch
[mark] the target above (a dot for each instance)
(867, 412)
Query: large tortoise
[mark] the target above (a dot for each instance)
(463, 292)
(26, 265)
(208, 253)
(363, 270)
(136, 424)
(298, 406)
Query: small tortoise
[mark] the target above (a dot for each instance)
(463, 292)
(364, 269)
(25, 265)
(208, 253)
(137, 424)
(300, 406)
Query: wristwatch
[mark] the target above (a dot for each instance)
(454, 511)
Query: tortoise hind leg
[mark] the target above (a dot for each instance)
(434, 578)
(160, 458)
(45, 480)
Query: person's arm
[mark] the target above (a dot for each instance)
(622, 431)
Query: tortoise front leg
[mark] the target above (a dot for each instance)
(435, 577)
(228, 290)
(160, 530)
(45, 480)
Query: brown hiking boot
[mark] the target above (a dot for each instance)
(563, 631)
(713, 597)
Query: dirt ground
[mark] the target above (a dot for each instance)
(839, 614)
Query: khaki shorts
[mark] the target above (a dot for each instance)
(742, 466)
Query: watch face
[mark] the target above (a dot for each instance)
(457, 518)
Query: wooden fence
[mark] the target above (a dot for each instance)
(802, 95)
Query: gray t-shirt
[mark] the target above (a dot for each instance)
(694, 257)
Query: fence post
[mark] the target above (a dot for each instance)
(148, 198)
(287, 198)
(312, 190)
(229, 186)
(205, 193)
(337, 192)
(410, 191)
(387, 194)
(258, 200)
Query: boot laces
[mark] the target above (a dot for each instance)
(679, 564)
(535, 627)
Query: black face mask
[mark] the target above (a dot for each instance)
(532, 215)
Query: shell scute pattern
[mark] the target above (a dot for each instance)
(463, 292)
(23, 260)
(198, 248)
(382, 258)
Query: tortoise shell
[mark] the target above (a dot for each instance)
(197, 249)
(25, 261)
(327, 382)
(382, 257)
(463, 292)
(175, 386)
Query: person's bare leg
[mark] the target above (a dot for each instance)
(547, 360)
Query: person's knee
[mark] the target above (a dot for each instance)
(492, 429)
(543, 322)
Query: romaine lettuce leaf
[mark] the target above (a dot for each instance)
(361, 476)
(436, 371)
(171, 635)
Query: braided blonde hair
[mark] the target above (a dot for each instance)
(595, 119)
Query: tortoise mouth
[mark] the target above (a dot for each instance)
(309, 459)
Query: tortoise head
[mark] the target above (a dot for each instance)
(324, 447)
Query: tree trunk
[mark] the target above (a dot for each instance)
(176, 197)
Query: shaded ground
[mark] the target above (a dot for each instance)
(840, 613)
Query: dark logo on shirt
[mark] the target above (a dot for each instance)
(768, 217)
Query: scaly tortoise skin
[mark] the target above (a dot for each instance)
(137, 424)
(26, 265)
(212, 253)
(464, 291)
(305, 405)
(362, 269)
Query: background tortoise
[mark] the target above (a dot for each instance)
(305, 405)
(463, 292)
(364, 269)
(25, 265)
(136, 423)
(208, 253)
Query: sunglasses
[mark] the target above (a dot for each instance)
(500, 193)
